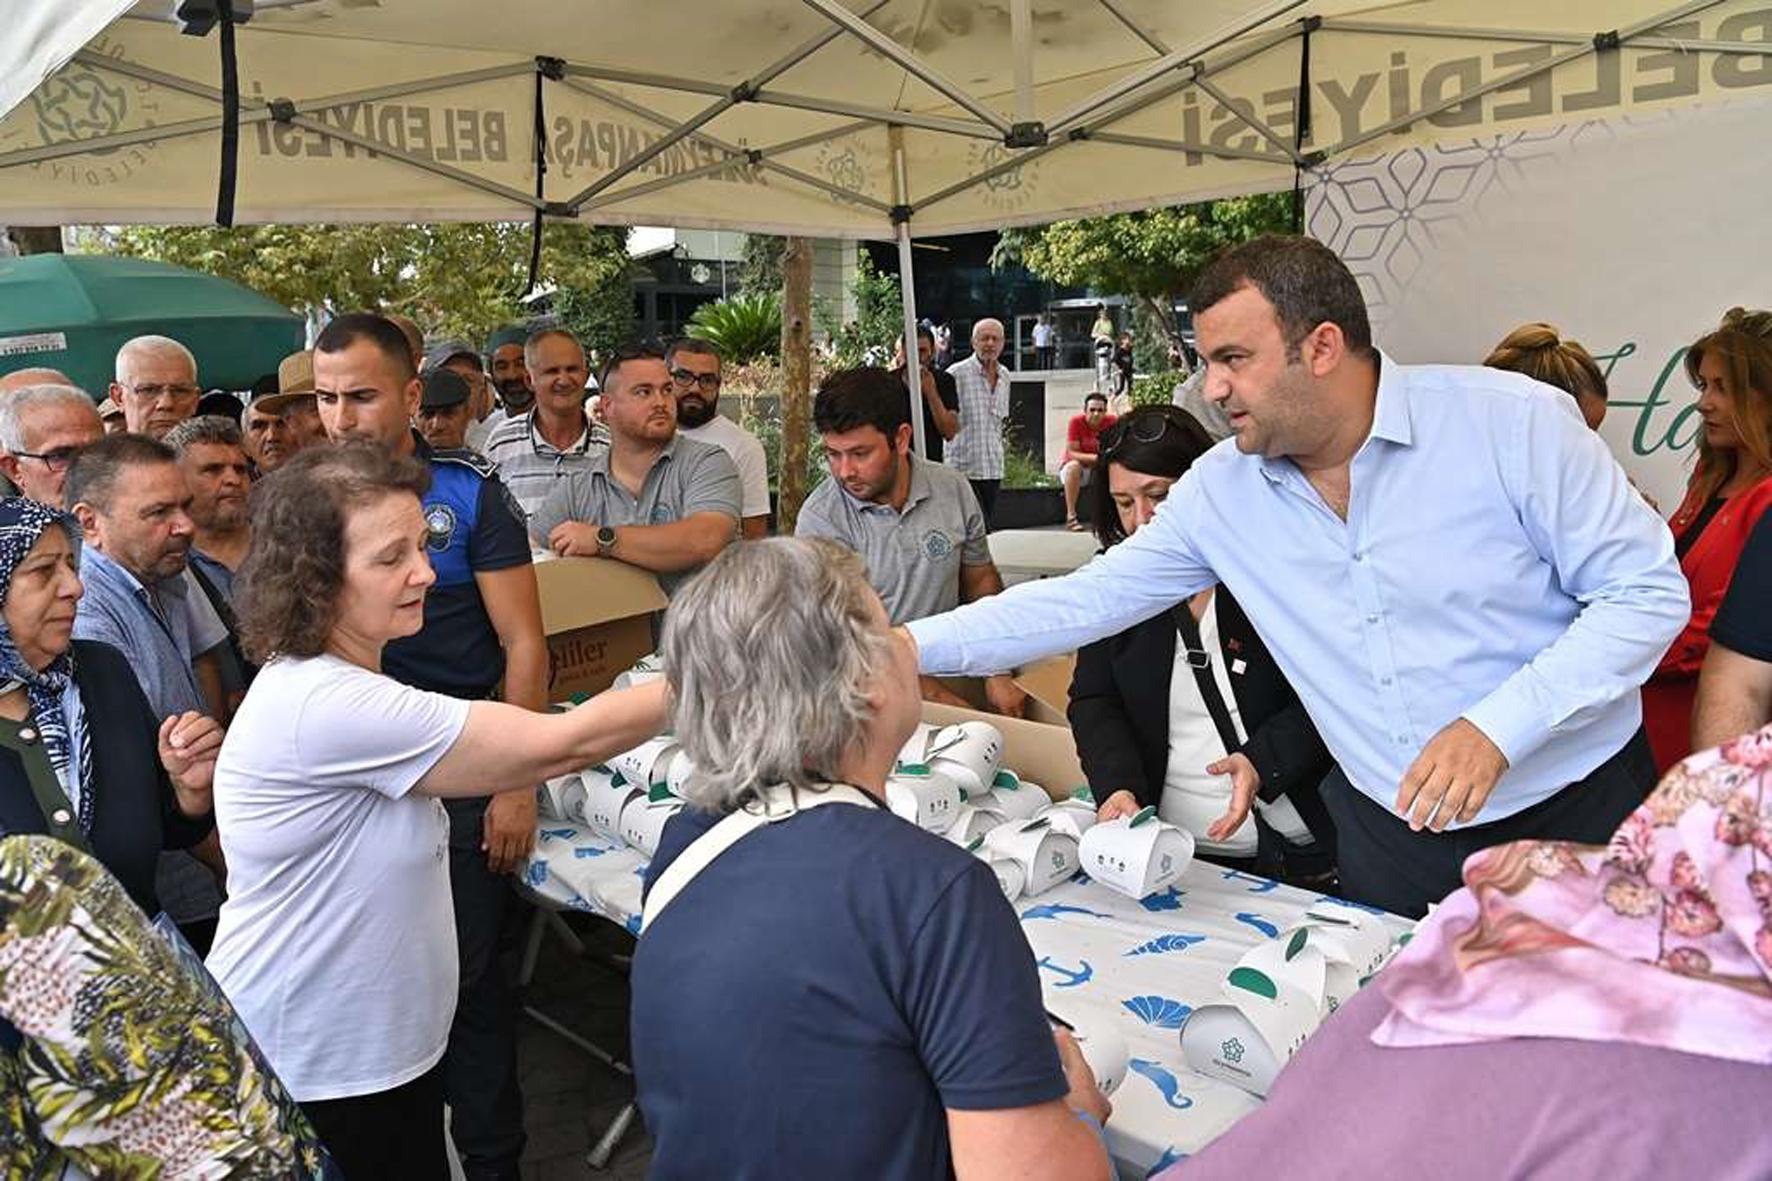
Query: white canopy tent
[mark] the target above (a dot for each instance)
(844, 118)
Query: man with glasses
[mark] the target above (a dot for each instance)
(536, 451)
(651, 499)
(695, 375)
(43, 428)
(156, 385)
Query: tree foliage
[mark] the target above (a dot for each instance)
(1154, 255)
(458, 279)
(745, 326)
(878, 323)
(759, 268)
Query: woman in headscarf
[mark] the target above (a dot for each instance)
(81, 757)
(1573, 1011)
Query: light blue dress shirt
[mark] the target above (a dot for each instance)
(1495, 565)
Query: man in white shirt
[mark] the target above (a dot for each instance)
(695, 379)
(983, 383)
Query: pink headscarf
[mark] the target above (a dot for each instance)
(1663, 938)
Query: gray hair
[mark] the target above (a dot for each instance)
(143, 345)
(770, 652)
(208, 428)
(532, 346)
(21, 406)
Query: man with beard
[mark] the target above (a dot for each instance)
(510, 380)
(134, 511)
(213, 460)
(695, 377)
(915, 524)
(536, 452)
(657, 501)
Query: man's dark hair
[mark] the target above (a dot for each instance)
(348, 329)
(289, 584)
(693, 344)
(93, 475)
(644, 351)
(1095, 396)
(1304, 280)
(1175, 440)
(850, 399)
(925, 333)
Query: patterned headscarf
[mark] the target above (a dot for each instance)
(22, 523)
(1662, 938)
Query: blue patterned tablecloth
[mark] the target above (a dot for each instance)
(1104, 959)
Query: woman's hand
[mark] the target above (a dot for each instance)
(189, 744)
(1245, 782)
(1121, 803)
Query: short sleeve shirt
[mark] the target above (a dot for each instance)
(1744, 622)
(746, 454)
(913, 555)
(687, 478)
(1081, 438)
(471, 526)
(531, 466)
(761, 1052)
(337, 940)
(160, 629)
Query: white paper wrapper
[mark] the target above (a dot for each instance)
(649, 763)
(1073, 817)
(643, 821)
(925, 797)
(1017, 799)
(915, 751)
(1136, 855)
(1248, 1038)
(1047, 857)
(969, 753)
(605, 798)
(647, 669)
(971, 823)
(1104, 1050)
(557, 796)
(1010, 877)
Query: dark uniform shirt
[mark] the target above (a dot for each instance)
(474, 525)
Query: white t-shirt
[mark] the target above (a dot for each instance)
(337, 941)
(746, 453)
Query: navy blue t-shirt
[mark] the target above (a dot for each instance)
(473, 525)
(812, 1002)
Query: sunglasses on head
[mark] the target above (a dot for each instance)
(1147, 424)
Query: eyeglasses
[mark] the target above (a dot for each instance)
(1146, 425)
(153, 391)
(57, 459)
(707, 381)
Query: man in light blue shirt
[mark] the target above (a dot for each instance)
(1451, 569)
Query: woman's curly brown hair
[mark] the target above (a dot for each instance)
(295, 568)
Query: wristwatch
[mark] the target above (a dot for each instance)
(605, 539)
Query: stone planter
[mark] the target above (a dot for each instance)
(1028, 508)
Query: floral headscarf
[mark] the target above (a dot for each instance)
(22, 523)
(1663, 938)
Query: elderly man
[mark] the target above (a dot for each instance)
(695, 375)
(444, 410)
(461, 358)
(156, 385)
(482, 634)
(274, 424)
(18, 379)
(134, 512)
(1449, 566)
(651, 498)
(213, 459)
(983, 385)
(43, 429)
(537, 451)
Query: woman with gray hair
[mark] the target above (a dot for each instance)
(826, 991)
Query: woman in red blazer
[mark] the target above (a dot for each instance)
(1731, 486)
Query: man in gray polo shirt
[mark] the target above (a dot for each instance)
(651, 498)
(916, 524)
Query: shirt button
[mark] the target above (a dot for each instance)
(1402, 740)
(1359, 555)
(1384, 680)
(1372, 619)
(60, 816)
(27, 735)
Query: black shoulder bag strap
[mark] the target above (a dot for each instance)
(1200, 661)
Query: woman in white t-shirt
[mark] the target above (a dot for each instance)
(1187, 711)
(337, 941)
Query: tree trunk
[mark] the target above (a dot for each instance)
(36, 239)
(796, 383)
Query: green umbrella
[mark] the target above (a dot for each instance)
(74, 311)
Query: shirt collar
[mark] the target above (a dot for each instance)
(538, 441)
(93, 561)
(598, 457)
(1391, 417)
(919, 492)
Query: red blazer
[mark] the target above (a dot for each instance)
(1708, 566)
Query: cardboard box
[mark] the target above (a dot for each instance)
(1048, 683)
(1037, 751)
(598, 617)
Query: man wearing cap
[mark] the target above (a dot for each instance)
(270, 424)
(537, 451)
(482, 628)
(459, 356)
(443, 412)
(156, 384)
(510, 379)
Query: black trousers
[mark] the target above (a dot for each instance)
(392, 1135)
(986, 491)
(1383, 864)
(480, 1065)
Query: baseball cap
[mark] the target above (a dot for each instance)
(443, 388)
(448, 350)
(510, 334)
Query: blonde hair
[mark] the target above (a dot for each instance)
(1539, 351)
(1743, 344)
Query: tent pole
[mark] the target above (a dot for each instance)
(907, 290)
(892, 51)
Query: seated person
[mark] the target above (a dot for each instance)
(1082, 446)
(1735, 686)
(651, 498)
(92, 767)
(916, 524)
(1187, 711)
(863, 982)
(1628, 983)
